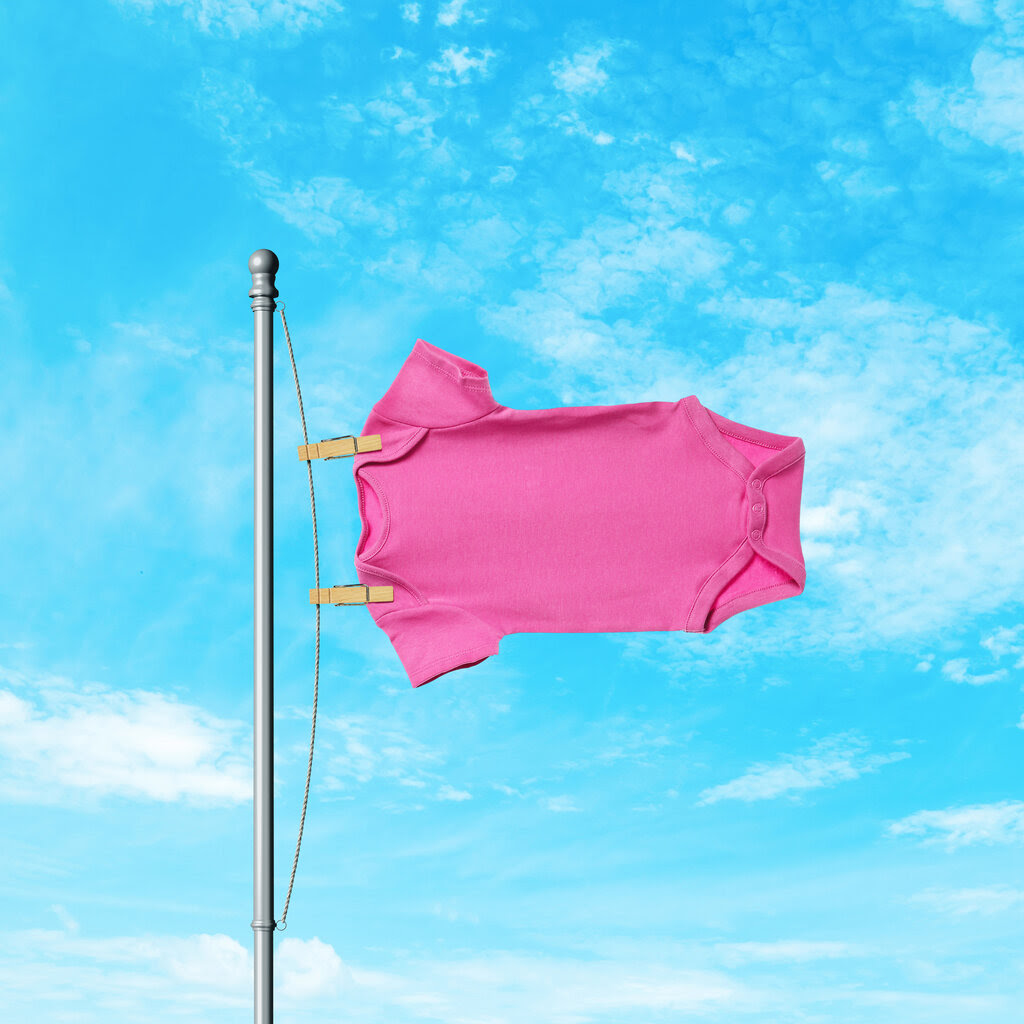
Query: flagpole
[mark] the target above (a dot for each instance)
(263, 265)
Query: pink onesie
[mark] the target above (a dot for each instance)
(488, 520)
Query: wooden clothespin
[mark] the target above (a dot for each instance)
(351, 593)
(338, 447)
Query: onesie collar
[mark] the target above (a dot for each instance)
(436, 388)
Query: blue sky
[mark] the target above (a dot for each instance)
(807, 215)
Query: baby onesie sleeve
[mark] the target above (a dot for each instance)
(432, 639)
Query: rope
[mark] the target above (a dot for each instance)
(316, 671)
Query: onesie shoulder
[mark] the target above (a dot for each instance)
(435, 388)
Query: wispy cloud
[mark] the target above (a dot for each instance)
(1003, 641)
(559, 804)
(580, 74)
(992, 899)
(401, 109)
(989, 106)
(447, 792)
(956, 669)
(832, 760)
(371, 750)
(918, 535)
(325, 205)
(1001, 822)
(784, 951)
(451, 12)
(237, 18)
(147, 974)
(227, 107)
(1006, 640)
(62, 739)
(457, 65)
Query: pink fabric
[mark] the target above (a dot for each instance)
(488, 520)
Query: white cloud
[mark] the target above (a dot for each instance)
(402, 110)
(455, 65)
(69, 923)
(990, 107)
(560, 804)
(309, 969)
(681, 152)
(991, 899)
(486, 240)
(410, 12)
(238, 17)
(59, 740)
(970, 12)
(858, 182)
(572, 123)
(149, 973)
(1001, 822)
(579, 75)
(905, 523)
(499, 986)
(784, 951)
(834, 759)
(146, 975)
(620, 738)
(324, 205)
(503, 175)
(452, 11)
(956, 669)
(440, 269)
(613, 261)
(1006, 640)
(226, 106)
(447, 792)
(372, 750)
(737, 213)
(156, 340)
(999, 643)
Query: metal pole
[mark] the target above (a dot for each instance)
(263, 264)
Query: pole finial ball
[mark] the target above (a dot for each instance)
(263, 261)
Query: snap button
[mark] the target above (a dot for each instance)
(757, 508)
(756, 484)
(755, 534)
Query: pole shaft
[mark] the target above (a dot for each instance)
(263, 264)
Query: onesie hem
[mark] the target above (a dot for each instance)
(452, 661)
(752, 599)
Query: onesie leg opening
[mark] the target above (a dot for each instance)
(744, 582)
